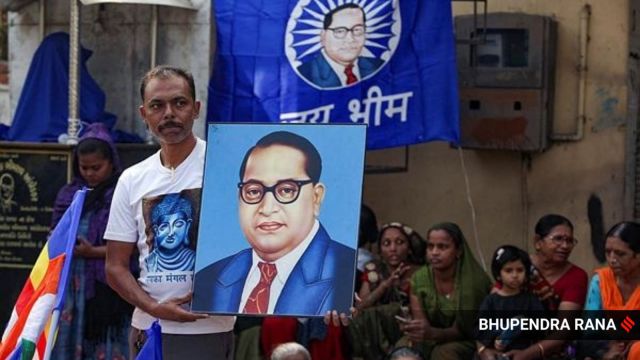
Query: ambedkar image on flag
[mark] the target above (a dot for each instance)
(389, 64)
(279, 219)
(340, 58)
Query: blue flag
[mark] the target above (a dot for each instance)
(63, 240)
(31, 322)
(386, 63)
(152, 349)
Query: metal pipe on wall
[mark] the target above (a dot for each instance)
(585, 15)
(631, 192)
(41, 21)
(154, 35)
(74, 73)
(153, 32)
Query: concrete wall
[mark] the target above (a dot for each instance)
(119, 36)
(510, 190)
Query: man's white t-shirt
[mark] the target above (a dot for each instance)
(139, 190)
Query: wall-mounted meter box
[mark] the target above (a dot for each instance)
(506, 81)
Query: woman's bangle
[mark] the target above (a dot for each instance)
(541, 350)
(481, 349)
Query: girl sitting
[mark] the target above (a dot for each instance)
(511, 268)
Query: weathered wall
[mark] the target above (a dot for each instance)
(511, 191)
(119, 36)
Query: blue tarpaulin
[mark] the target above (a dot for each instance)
(43, 109)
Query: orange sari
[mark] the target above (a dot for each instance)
(612, 300)
(611, 295)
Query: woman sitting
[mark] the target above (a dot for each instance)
(451, 283)
(557, 282)
(387, 281)
(615, 287)
(510, 267)
(385, 292)
(560, 284)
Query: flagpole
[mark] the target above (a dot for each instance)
(55, 317)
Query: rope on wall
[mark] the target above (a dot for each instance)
(473, 209)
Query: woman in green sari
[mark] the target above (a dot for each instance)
(445, 295)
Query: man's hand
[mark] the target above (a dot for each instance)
(332, 317)
(173, 310)
(122, 281)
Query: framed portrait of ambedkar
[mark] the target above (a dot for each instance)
(279, 219)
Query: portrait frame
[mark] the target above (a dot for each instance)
(221, 238)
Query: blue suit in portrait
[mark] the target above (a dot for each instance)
(319, 72)
(320, 281)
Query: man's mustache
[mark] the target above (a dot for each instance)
(170, 124)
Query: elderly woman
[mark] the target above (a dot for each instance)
(560, 284)
(451, 283)
(616, 287)
(385, 291)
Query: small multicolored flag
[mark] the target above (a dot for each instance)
(31, 320)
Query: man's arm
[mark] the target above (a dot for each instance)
(122, 281)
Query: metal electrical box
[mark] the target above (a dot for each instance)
(506, 81)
